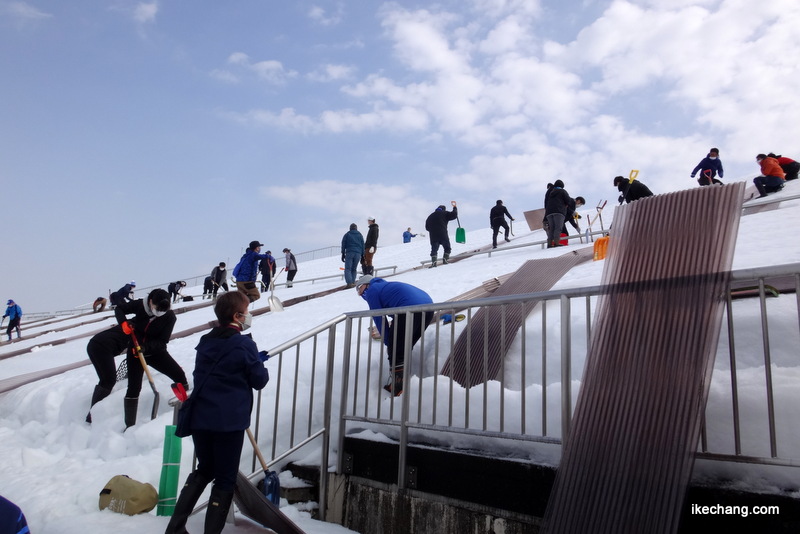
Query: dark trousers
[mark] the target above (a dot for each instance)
(218, 456)
(496, 230)
(443, 241)
(102, 349)
(158, 359)
(290, 275)
(12, 324)
(396, 335)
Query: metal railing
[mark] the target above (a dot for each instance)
(327, 390)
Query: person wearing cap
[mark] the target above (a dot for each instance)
(14, 314)
(352, 251)
(436, 225)
(381, 294)
(123, 294)
(710, 167)
(152, 323)
(497, 220)
(772, 176)
(370, 246)
(219, 278)
(631, 190)
(246, 271)
(290, 266)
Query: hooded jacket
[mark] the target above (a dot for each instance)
(382, 294)
(436, 223)
(353, 242)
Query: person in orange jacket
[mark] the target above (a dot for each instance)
(772, 176)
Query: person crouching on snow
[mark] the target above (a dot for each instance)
(381, 294)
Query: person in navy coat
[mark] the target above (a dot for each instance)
(227, 369)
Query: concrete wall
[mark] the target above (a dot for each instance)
(368, 507)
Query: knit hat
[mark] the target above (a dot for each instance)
(353, 226)
(133, 283)
(366, 279)
(441, 208)
(558, 183)
(370, 218)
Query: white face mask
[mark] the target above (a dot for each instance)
(248, 321)
(712, 157)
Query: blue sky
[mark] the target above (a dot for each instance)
(150, 140)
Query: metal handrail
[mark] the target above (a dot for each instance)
(421, 415)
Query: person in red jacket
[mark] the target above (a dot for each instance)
(789, 166)
(772, 176)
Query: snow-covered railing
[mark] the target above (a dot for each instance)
(527, 407)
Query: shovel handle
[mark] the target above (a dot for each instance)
(256, 449)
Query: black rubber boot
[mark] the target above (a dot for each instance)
(131, 405)
(395, 382)
(190, 494)
(218, 505)
(445, 259)
(433, 262)
(99, 394)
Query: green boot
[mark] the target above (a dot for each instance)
(433, 262)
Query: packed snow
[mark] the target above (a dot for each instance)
(53, 464)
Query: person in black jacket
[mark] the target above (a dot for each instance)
(631, 190)
(174, 289)
(152, 324)
(370, 246)
(227, 370)
(497, 220)
(123, 294)
(102, 349)
(436, 225)
(556, 205)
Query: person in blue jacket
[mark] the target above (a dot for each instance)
(381, 294)
(227, 369)
(246, 270)
(352, 250)
(710, 167)
(407, 235)
(14, 314)
(12, 520)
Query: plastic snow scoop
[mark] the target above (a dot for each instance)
(275, 303)
(137, 351)
(461, 233)
(257, 507)
(271, 483)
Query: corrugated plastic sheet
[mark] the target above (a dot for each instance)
(478, 352)
(628, 458)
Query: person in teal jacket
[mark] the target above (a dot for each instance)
(381, 294)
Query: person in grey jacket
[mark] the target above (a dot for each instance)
(352, 250)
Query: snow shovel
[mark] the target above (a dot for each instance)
(461, 234)
(137, 351)
(275, 303)
(271, 483)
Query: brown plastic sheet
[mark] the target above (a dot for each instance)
(629, 455)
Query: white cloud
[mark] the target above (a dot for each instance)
(271, 71)
(340, 203)
(323, 18)
(224, 76)
(26, 11)
(330, 73)
(145, 12)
